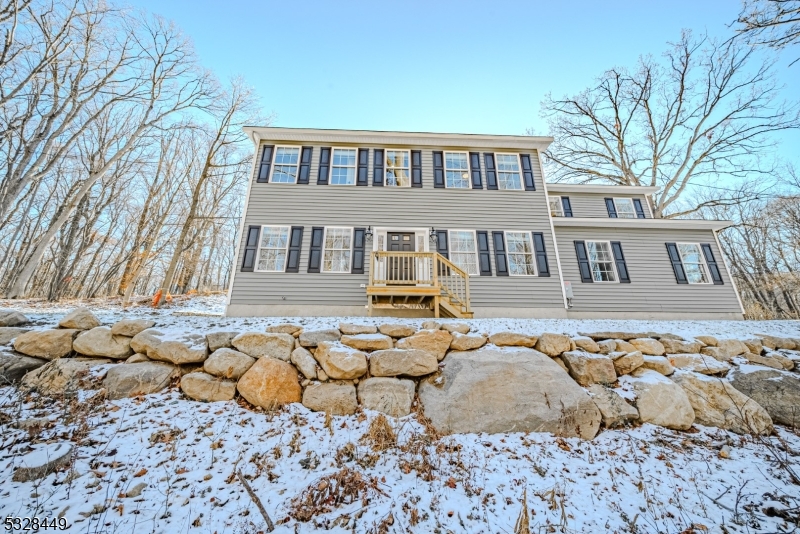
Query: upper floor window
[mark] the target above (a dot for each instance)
(336, 250)
(464, 251)
(624, 207)
(693, 264)
(287, 159)
(272, 249)
(521, 261)
(398, 168)
(601, 261)
(456, 170)
(343, 168)
(508, 171)
(556, 209)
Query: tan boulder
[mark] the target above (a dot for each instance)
(649, 346)
(62, 375)
(710, 341)
(367, 341)
(314, 337)
(9, 333)
(138, 379)
(560, 361)
(138, 358)
(431, 325)
(187, 348)
(613, 408)
(270, 383)
(434, 341)
(396, 330)
(341, 362)
(467, 341)
(461, 328)
(204, 387)
(131, 327)
(626, 362)
(146, 340)
(607, 346)
(674, 346)
(47, 344)
(772, 359)
(12, 318)
(512, 339)
(660, 364)
(699, 363)
(776, 391)
(660, 401)
(220, 340)
(753, 345)
(716, 353)
(391, 396)
(587, 368)
(733, 347)
(228, 363)
(305, 362)
(402, 362)
(100, 341)
(260, 345)
(79, 319)
(598, 336)
(335, 398)
(351, 329)
(775, 342)
(553, 344)
(284, 328)
(588, 344)
(620, 345)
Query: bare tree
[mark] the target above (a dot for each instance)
(702, 113)
(772, 23)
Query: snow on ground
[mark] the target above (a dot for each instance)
(646, 479)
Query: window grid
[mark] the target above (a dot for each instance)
(521, 260)
(456, 170)
(556, 209)
(601, 261)
(336, 250)
(624, 207)
(398, 168)
(285, 164)
(509, 175)
(464, 250)
(272, 249)
(343, 166)
(693, 263)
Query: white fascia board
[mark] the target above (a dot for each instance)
(675, 224)
(602, 189)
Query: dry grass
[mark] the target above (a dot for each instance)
(330, 492)
(380, 434)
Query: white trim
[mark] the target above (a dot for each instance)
(273, 165)
(258, 247)
(385, 167)
(560, 206)
(727, 270)
(350, 255)
(497, 171)
(702, 261)
(613, 262)
(444, 166)
(477, 252)
(608, 222)
(418, 231)
(616, 207)
(602, 189)
(553, 234)
(533, 250)
(355, 167)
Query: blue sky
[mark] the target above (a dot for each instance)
(472, 67)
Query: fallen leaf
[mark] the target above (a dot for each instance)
(140, 473)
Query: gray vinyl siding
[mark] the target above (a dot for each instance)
(653, 287)
(354, 206)
(594, 204)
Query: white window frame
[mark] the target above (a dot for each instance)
(286, 250)
(560, 210)
(354, 167)
(273, 165)
(350, 253)
(613, 262)
(386, 166)
(469, 169)
(477, 252)
(630, 201)
(533, 251)
(703, 262)
(497, 171)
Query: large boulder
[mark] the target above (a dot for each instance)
(599, 336)
(512, 339)
(627, 362)
(101, 342)
(613, 408)
(305, 362)
(13, 367)
(146, 341)
(388, 395)
(717, 403)
(709, 341)
(79, 319)
(717, 353)
(284, 328)
(12, 318)
(467, 341)
(204, 387)
(649, 346)
(355, 329)
(132, 380)
(335, 398)
(776, 342)
(341, 362)
(228, 363)
(660, 364)
(260, 345)
(754, 345)
(674, 346)
(699, 363)
(586, 343)
(368, 341)
(402, 362)
(775, 360)
(776, 391)
(220, 340)
(8, 333)
(620, 345)
(733, 347)
(188, 348)
(47, 344)
(461, 328)
(660, 401)
(44, 459)
(431, 325)
(270, 383)
(62, 375)
(587, 368)
(131, 327)
(553, 344)
(434, 341)
(314, 337)
(497, 390)
(396, 330)
(606, 346)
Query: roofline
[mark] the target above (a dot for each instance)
(600, 188)
(271, 133)
(674, 224)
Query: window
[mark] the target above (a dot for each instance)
(336, 250)
(464, 251)
(343, 170)
(601, 261)
(272, 249)
(693, 264)
(456, 170)
(624, 207)
(521, 261)
(508, 175)
(556, 210)
(285, 166)
(397, 168)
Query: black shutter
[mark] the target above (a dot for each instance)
(500, 260)
(619, 259)
(250, 249)
(637, 205)
(583, 262)
(416, 168)
(716, 276)
(527, 172)
(441, 243)
(362, 178)
(357, 266)
(567, 206)
(677, 265)
(295, 242)
(483, 253)
(324, 166)
(491, 175)
(315, 252)
(541, 254)
(377, 168)
(612, 209)
(305, 165)
(263, 166)
(475, 167)
(438, 169)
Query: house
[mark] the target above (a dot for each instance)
(348, 223)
